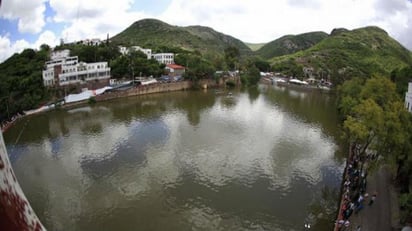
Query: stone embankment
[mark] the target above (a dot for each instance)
(146, 89)
(135, 91)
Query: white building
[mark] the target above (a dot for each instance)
(126, 50)
(123, 50)
(165, 58)
(91, 42)
(408, 98)
(59, 54)
(147, 52)
(66, 70)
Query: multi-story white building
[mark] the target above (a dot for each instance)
(126, 50)
(165, 58)
(408, 98)
(91, 42)
(59, 54)
(64, 70)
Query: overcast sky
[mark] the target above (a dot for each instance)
(30, 23)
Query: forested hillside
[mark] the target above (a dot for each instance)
(290, 44)
(155, 34)
(345, 54)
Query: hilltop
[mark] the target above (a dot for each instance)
(346, 53)
(339, 56)
(342, 53)
(290, 44)
(155, 34)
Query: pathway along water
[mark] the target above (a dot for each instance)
(258, 159)
(359, 192)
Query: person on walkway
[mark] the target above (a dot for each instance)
(373, 198)
(346, 224)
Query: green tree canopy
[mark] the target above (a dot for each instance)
(232, 56)
(375, 119)
(196, 66)
(401, 77)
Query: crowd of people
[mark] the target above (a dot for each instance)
(354, 195)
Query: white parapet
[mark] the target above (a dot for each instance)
(15, 210)
(408, 98)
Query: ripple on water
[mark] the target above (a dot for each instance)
(194, 162)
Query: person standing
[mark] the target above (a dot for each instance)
(373, 198)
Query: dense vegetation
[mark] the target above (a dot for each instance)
(371, 68)
(362, 52)
(375, 120)
(290, 44)
(21, 83)
(339, 56)
(152, 33)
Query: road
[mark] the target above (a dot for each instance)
(380, 215)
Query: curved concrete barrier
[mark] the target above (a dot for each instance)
(15, 211)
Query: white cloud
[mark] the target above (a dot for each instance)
(8, 48)
(264, 21)
(94, 18)
(248, 20)
(30, 14)
(47, 37)
(396, 18)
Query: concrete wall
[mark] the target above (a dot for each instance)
(146, 89)
(149, 89)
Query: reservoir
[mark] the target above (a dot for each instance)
(265, 158)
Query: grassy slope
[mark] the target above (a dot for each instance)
(365, 51)
(290, 44)
(152, 33)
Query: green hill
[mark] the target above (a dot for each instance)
(344, 54)
(290, 44)
(152, 33)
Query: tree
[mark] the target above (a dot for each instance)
(401, 77)
(21, 85)
(375, 118)
(251, 74)
(232, 56)
(348, 95)
(45, 47)
(289, 67)
(262, 65)
(119, 67)
(381, 90)
(133, 64)
(365, 125)
(196, 66)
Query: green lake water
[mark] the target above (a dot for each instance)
(258, 159)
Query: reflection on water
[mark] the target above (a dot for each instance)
(180, 161)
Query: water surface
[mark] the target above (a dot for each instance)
(255, 160)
